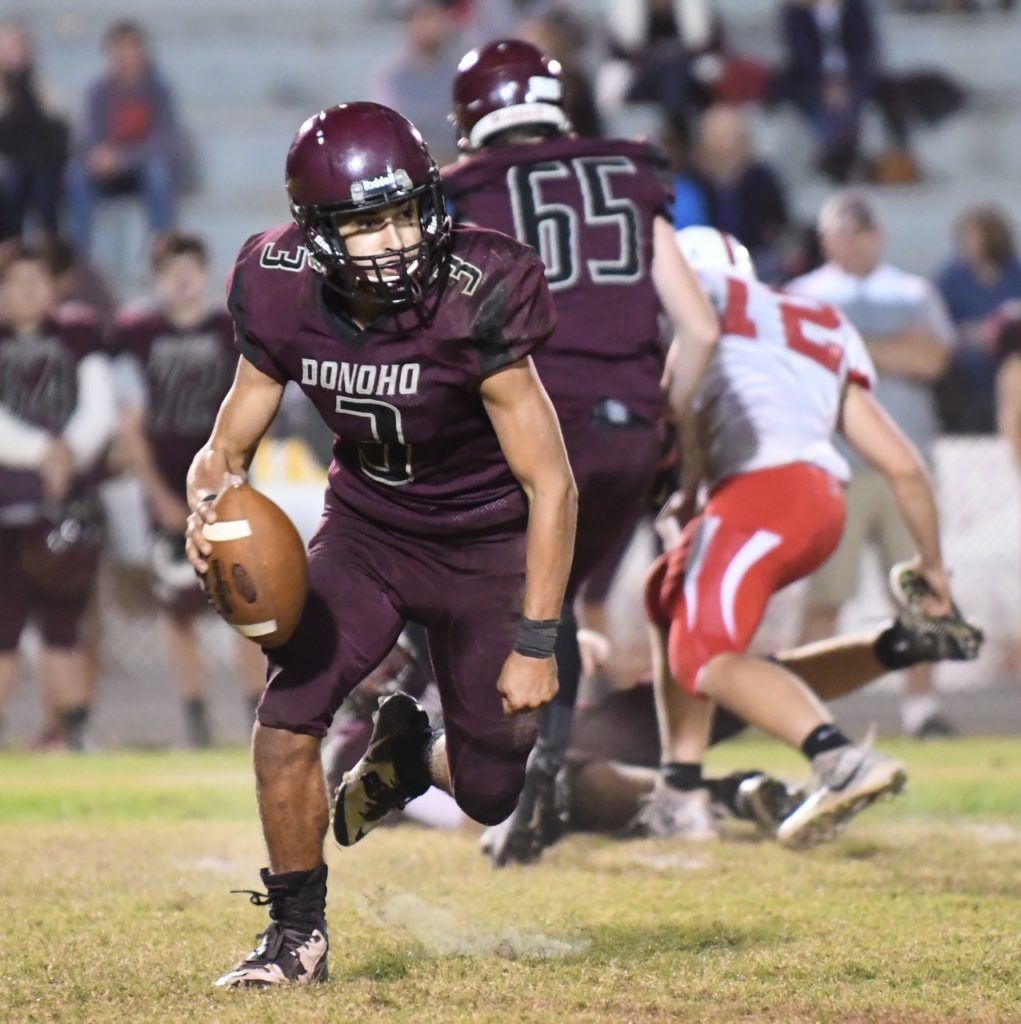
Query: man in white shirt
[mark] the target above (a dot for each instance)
(908, 335)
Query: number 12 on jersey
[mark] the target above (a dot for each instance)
(795, 314)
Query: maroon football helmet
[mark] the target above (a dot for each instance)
(357, 157)
(503, 85)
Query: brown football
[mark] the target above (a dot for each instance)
(258, 572)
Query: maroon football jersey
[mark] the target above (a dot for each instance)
(186, 375)
(587, 207)
(414, 447)
(39, 381)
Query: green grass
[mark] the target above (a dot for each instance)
(114, 906)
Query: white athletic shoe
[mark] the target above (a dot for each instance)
(671, 813)
(848, 780)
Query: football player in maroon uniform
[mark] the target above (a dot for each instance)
(597, 212)
(451, 501)
(176, 360)
(56, 420)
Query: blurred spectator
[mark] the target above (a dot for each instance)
(130, 142)
(417, 81)
(486, 20)
(742, 194)
(908, 335)
(666, 52)
(563, 38)
(33, 142)
(831, 71)
(984, 274)
(175, 364)
(78, 280)
(56, 420)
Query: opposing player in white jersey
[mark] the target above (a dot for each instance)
(788, 372)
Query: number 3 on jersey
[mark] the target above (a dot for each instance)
(387, 459)
(553, 229)
(796, 314)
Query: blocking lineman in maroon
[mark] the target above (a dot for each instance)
(587, 207)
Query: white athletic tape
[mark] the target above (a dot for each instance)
(256, 628)
(230, 529)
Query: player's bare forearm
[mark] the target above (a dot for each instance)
(245, 415)
(696, 329)
(529, 434)
(883, 445)
(915, 352)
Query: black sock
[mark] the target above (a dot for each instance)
(72, 725)
(684, 776)
(894, 649)
(290, 883)
(822, 738)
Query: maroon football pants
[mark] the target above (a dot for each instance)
(364, 583)
(613, 467)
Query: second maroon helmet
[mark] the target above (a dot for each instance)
(358, 157)
(503, 85)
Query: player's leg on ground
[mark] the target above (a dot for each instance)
(63, 672)
(681, 804)
(187, 673)
(9, 665)
(348, 626)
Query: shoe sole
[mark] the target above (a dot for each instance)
(885, 781)
(396, 715)
(320, 973)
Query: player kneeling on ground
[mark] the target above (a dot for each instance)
(787, 370)
(449, 475)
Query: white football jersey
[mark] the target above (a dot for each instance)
(772, 394)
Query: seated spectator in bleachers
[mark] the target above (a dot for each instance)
(742, 194)
(665, 52)
(984, 274)
(831, 71)
(563, 38)
(33, 142)
(56, 421)
(129, 142)
(417, 81)
(486, 20)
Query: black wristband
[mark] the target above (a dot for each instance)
(536, 638)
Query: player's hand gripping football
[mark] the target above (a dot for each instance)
(527, 683)
(208, 476)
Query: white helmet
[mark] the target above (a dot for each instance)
(708, 249)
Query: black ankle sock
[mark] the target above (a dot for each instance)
(893, 648)
(682, 775)
(290, 883)
(823, 738)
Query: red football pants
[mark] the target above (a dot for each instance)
(760, 532)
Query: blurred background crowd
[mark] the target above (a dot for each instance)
(137, 153)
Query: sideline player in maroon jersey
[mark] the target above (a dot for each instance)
(597, 212)
(451, 501)
(177, 361)
(56, 420)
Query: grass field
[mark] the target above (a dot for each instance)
(115, 871)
